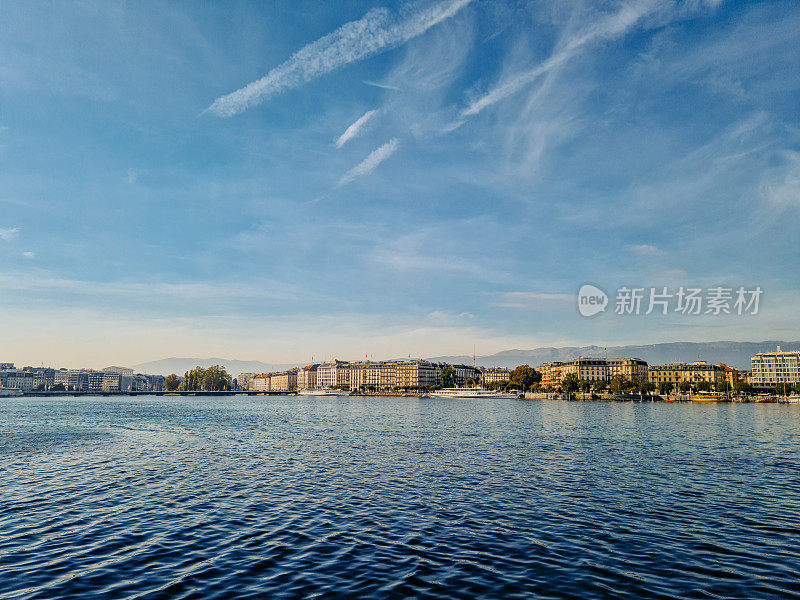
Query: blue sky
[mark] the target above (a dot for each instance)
(283, 180)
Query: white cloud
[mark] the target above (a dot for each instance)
(355, 128)
(646, 250)
(132, 176)
(375, 32)
(29, 255)
(784, 193)
(611, 27)
(370, 163)
(8, 235)
(438, 249)
(531, 299)
(210, 292)
(383, 86)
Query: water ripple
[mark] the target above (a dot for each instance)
(396, 498)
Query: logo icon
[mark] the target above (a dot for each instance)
(591, 300)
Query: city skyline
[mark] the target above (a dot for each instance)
(390, 179)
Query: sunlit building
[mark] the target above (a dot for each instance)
(593, 369)
(771, 369)
(490, 376)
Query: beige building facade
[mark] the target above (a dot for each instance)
(693, 373)
(771, 369)
(490, 376)
(593, 369)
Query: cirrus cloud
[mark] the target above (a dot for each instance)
(377, 31)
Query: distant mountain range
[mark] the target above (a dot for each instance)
(735, 354)
(165, 366)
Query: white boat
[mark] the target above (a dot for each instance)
(8, 392)
(471, 393)
(323, 392)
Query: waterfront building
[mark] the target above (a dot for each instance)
(61, 377)
(126, 376)
(17, 378)
(633, 369)
(360, 375)
(6, 366)
(120, 370)
(771, 369)
(139, 383)
(307, 377)
(333, 373)
(593, 369)
(243, 379)
(416, 374)
(259, 383)
(387, 375)
(283, 382)
(42, 377)
(693, 373)
(551, 373)
(112, 382)
(76, 380)
(490, 376)
(95, 381)
(464, 373)
(156, 382)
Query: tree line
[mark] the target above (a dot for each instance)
(213, 379)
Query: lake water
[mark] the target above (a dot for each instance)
(298, 497)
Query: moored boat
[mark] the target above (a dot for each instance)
(709, 398)
(321, 392)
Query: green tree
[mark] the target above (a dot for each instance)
(618, 384)
(646, 387)
(499, 385)
(171, 382)
(569, 383)
(783, 389)
(599, 385)
(666, 387)
(523, 377)
(684, 386)
(448, 375)
(742, 387)
(584, 385)
(215, 378)
(703, 386)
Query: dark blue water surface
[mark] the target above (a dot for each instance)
(297, 497)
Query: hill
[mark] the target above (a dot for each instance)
(734, 354)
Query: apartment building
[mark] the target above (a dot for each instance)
(307, 377)
(490, 376)
(464, 373)
(285, 381)
(259, 383)
(333, 373)
(417, 373)
(774, 368)
(243, 379)
(17, 378)
(593, 369)
(695, 372)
